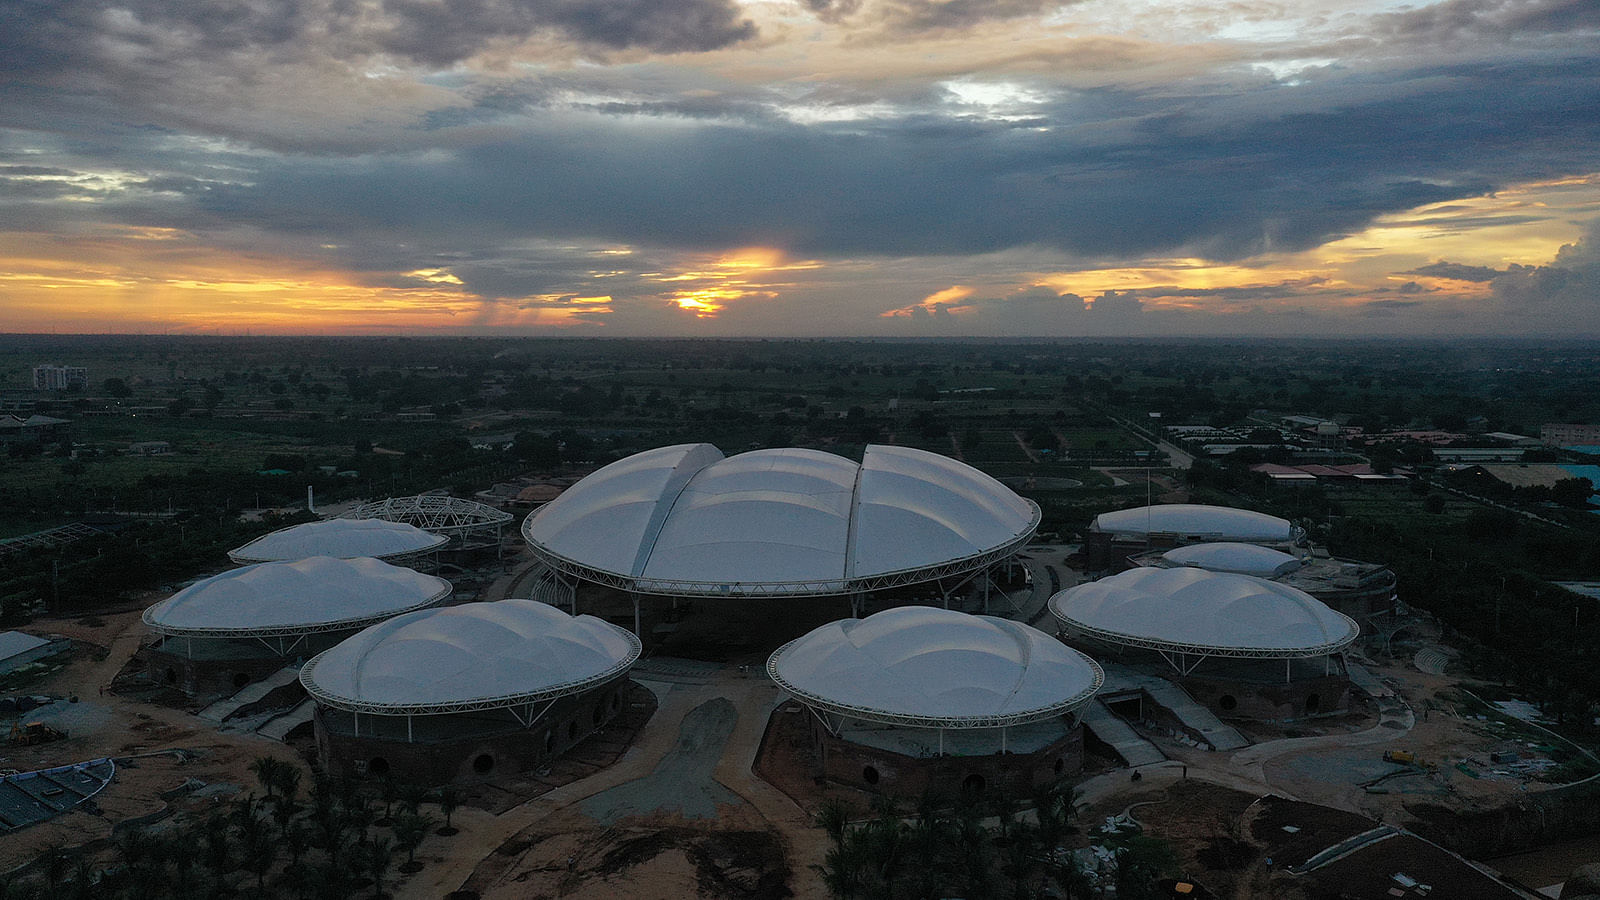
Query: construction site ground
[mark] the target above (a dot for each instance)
(682, 810)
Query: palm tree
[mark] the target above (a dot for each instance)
(409, 829)
(260, 854)
(266, 770)
(388, 791)
(289, 781)
(448, 798)
(217, 844)
(833, 817)
(378, 857)
(411, 797)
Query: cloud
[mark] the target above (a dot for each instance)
(1456, 272)
(1562, 297)
(54, 41)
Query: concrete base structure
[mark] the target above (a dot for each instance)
(206, 678)
(209, 668)
(1265, 699)
(435, 749)
(994, 774)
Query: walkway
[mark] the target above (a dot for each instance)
(1197, 718)
(1369, 683)
(1112, 730)
(279, 727)
(708, 733)
(250, 693)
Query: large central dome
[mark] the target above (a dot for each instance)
(687, 520)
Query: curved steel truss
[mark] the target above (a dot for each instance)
(433, 512)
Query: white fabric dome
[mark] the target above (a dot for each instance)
(1240, 559)
(340, 539)
(1195, 611)
(1197, 522)
(684, 519)
(308, 595)
(473, 656)
(919, 665)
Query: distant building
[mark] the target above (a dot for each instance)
(59, 378)
(34, 429)
(1515, 440)
(150, 448)
(1567, 435)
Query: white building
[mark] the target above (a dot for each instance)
(59, 378)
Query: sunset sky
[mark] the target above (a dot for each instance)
(801, 167)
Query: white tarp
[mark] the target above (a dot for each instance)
(339, 538)
(308, 593)
(687, 515)
(470, 654)
(1194, 608)
(1217, 523)
(1240, 559)
(925, 662)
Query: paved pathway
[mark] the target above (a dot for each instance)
(250, 693)
(681, 781)
(1175, 699)
(1110, 728)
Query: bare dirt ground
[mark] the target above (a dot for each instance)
(681, 814)
(103, 724)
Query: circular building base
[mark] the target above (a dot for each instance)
(456, 747)
(1270, 700)
(874, 767)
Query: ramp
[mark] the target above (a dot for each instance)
(1369, 683)
(1176, 701)
(279, 727)
(1134, 750)
(250, 693)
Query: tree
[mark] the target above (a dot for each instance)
(265, 768)
(409, 830)
(379, 855)
(1573, 492)
(1140, 863)
(448, 798)
(116, 387)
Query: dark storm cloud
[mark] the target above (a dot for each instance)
(933, 15)
(1456, 271)
(658, 162)
(1459, 20)
(55, 40)
(34, 171)
(1204, 177)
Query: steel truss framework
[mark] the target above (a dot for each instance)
(48, 539)
(816, 588)
(272, 631)
(820, 705)
(1183, 650)
(434, 512)
(522, 701)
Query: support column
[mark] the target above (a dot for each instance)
(408, 728)
(636, 632)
